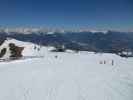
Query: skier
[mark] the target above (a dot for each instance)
(112, 62)
(56, 56)
(104, 62)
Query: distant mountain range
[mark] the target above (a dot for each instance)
(110, 41)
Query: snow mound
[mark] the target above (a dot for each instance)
(30, 49)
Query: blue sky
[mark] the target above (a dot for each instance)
(93, 14)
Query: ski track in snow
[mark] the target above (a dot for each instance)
(70, 76)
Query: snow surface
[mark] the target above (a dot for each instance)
(66, 76)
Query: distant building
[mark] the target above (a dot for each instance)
(126, 53)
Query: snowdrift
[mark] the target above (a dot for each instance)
(30, 49)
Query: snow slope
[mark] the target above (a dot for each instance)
(69, 76)
(30, 49)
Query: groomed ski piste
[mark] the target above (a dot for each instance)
(66, 75)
